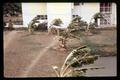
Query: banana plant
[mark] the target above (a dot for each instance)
(74, 63)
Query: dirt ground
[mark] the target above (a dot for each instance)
(33, 55)
(102, 43)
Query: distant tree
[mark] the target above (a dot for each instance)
(12, 9)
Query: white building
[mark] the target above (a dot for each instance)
(65, 11)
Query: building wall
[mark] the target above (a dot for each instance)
(76, 10)
(111, 16)
(30, 10)
(59, 10)
(88, 10)
(64, 11)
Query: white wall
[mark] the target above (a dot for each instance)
(88, 10)
(76, 10)
(30, 10)
(113, 17)
(59, 10)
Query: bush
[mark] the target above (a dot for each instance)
(57, 22)
(77, 23)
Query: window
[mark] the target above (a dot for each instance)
(42, 17)
(105, 8)
(45, 16)
(73, 16)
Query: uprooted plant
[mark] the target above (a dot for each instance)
(74, 63)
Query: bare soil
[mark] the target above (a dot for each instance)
(33, 55)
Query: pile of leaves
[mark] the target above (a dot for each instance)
(74, 64)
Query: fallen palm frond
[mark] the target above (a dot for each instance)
(73, 64)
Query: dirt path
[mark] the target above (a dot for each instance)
(30, 55)
(42, 52)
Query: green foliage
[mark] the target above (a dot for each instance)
(78, 53)
(12, 8)
(64, 34)
(73, 64)
(98, 15)
(91, 26)
(73, 27)
(31, 25)
(57, 22)
(77, 23)
(92, 46)
(76, 19)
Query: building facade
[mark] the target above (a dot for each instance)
(66, 11)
